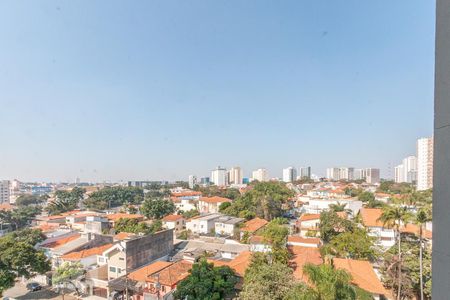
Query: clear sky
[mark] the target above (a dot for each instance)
(135, 90)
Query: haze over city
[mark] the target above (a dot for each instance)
(162, 90)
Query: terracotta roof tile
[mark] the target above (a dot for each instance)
(370, 217)
(86, 253)
(309, 217)
(62, 241)
(302, 256)
(214, 199)
(115, 217)
(239, 264)
(172, 218)
(303, 240)
(142, 274)
(254, 225)
(362, 273)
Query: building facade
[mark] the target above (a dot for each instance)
(260, 175)
(424, 163)
(289, 174)
(235, 175)
(4, 191)
(219, 176)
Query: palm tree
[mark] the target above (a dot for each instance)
(328, 283)
(394, 217)
(421, 218)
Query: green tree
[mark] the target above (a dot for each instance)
(328, 283)
(410, 276)
(66, 201)
(190, 213)
(422, 217)
(67, 273)
(206, 282)
(266, 200)
(366, 197)
(266, 280)
(19, 257)
(26, 199)
(110, 197)
(332, 225)
(224, 206)
(394, 217)
(19, 217)
(134, 226)
(275, 233)
(338, 207)
(157, 208)
(356, 244)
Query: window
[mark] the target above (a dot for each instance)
(101, 259)
(112, 269)
(121, 258)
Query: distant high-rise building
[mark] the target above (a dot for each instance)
(4, 191)
(359, 174)
(407, 170)
(332, 174)
(219, 176)
(192, 181)
(424, 163)
(235, 175)
(342, 173)
(289, 174)
(260, 175)
(305, 172)
(372, 175)
(204, 180)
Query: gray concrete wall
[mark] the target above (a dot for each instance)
(441, 184)
(148, 248)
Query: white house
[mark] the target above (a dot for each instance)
(316, 206)
(175, 222)
(202, 224)
(210, 205)
(88, 257)
(308, 223)
(370, 219)
(227, 225)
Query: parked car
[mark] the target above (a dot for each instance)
(34, 286)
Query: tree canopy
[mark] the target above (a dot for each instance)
(331, 225)
(206, 282)
(66, 201)
(18, 257)
(19, 217)
(157, 208)
(114, 197)
(134, 226)
(266, 200)
(26, 199)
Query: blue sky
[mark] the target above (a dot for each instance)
(114, 90)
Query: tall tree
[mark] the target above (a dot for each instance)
(394, 217)
(113, 197)
(266, 280)
(421, 218)
(19, 257)
(355, 244)
(67, 273)
(206, 282)
(157, 208)
(332, 225)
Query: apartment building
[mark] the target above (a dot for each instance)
(424, 163)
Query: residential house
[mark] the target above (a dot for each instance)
(363, 276)
(308, 224)
(159, 279)
(300, 256)
(258, 244)
(227, 226)
(210, 205)
(175, 222)
(202, 224)
(252, 226)
(371, 220)
(87, 257)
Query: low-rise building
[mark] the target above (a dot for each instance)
(227, 226)
(203, 224)
(308, 224)
(175, 222)
(252, 226)
(295, 240)
(210, 205)
(385, 236)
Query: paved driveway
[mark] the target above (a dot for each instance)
(20, 292)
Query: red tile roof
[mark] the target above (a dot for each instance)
(302, 256)
(414, 229)
(123, 235)
(302, 240)
(362, 273)
(239, 264)
(172, 218)
(74, 256)
(61, 241)
(370, 217)
(254, 225)
(214, 199)
(142, 274)
(115, 217)
(309, 217)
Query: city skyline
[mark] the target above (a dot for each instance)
(164, 90)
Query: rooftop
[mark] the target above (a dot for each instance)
(254, 225)
(215, 199)
(86, 253)
(370, 217)
(362, 273)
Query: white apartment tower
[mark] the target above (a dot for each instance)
(235, 175)
(192, 181)
(372, 175)
(219, 176)
(424, 163)
(305, 172)
(289, 174)
(343, 173)
(4, 191)
(260, 175)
